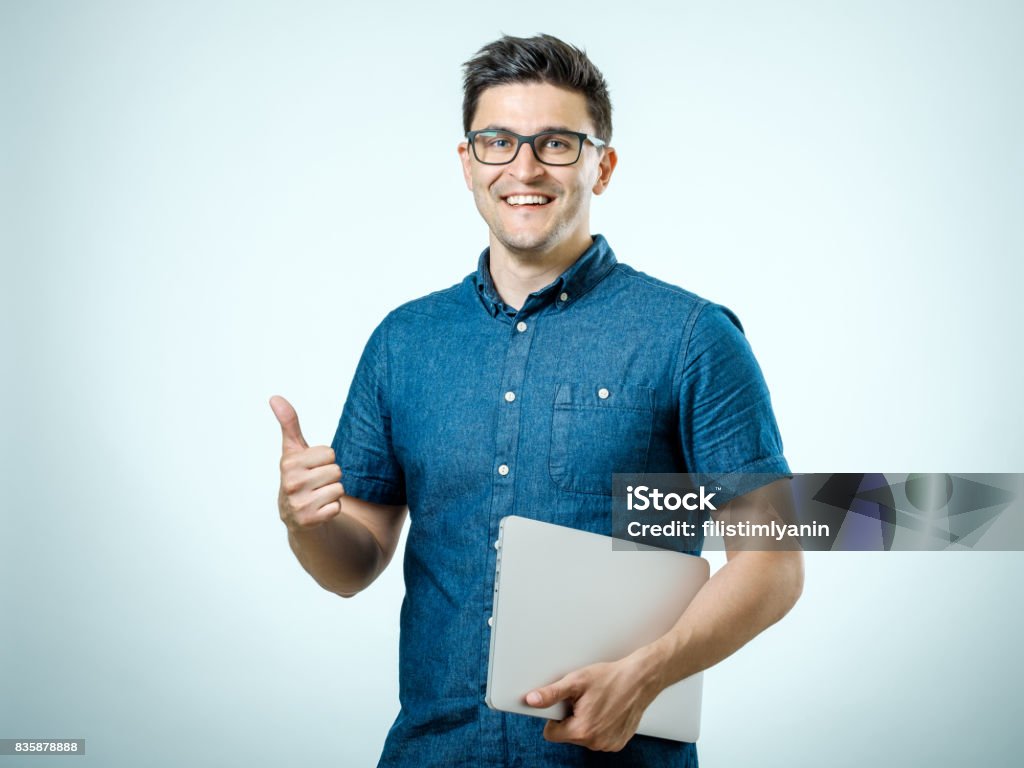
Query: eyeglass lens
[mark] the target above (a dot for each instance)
(551, 148)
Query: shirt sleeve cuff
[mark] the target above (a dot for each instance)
(372, 490)
(752, 476)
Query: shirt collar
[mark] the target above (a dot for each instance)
(586, 272)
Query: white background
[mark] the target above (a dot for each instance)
(204, 204)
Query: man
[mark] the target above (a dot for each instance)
(520, 391)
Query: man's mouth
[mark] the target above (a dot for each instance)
(528, 200)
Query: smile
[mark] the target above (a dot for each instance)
(528, 199)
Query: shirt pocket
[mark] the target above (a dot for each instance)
(598, 429)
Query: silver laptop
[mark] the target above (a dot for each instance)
(564, 599)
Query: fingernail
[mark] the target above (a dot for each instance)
(533, 698)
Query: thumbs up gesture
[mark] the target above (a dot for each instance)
(310, 492)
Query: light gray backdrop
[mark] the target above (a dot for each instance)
(204, 204)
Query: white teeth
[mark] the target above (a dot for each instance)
(527, 200)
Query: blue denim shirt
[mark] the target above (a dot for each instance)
(469, 410)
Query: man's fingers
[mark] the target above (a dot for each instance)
(291, 435)
(310, 458)
(324, 496)
(326, 504)
(307, 492)
(312, 520)
(322, 476)
(310, 489)
(314, 508)
(560, 690)
(313, 468)
(558, 730)
(328, 511)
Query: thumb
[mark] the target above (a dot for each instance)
(560, 690)
(292, 439)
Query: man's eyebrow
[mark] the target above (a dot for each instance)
(545, 129)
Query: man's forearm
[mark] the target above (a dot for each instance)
(752, 592)
(746, 596)
(341, 555)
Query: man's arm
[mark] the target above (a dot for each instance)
(343, 543)
(348, 552)
(752, 591)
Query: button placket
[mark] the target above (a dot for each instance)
(506, 445)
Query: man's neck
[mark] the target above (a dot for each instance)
(517, 274)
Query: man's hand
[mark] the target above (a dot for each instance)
(606, 702)
(310, 493)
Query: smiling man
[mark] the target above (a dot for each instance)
(521, 390)
(536, 202)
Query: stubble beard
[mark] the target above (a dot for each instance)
(526, 245)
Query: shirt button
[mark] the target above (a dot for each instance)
(510, 396)
(603, 393)
(520, 326)
(564, 297)
(503, 470)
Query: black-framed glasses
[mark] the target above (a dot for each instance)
(493, 147)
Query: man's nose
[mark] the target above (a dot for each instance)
(525, 164)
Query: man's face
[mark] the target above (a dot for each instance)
(563, 221)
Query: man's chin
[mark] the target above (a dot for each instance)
(526, 248)
(526, 243)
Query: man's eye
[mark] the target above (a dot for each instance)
(497, 141)
(559, 143)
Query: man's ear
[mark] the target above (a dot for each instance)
(604, 169)
(466, 160)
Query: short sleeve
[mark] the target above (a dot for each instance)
(726, 420)
(362, 444)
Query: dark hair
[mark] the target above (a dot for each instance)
(539, 59)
